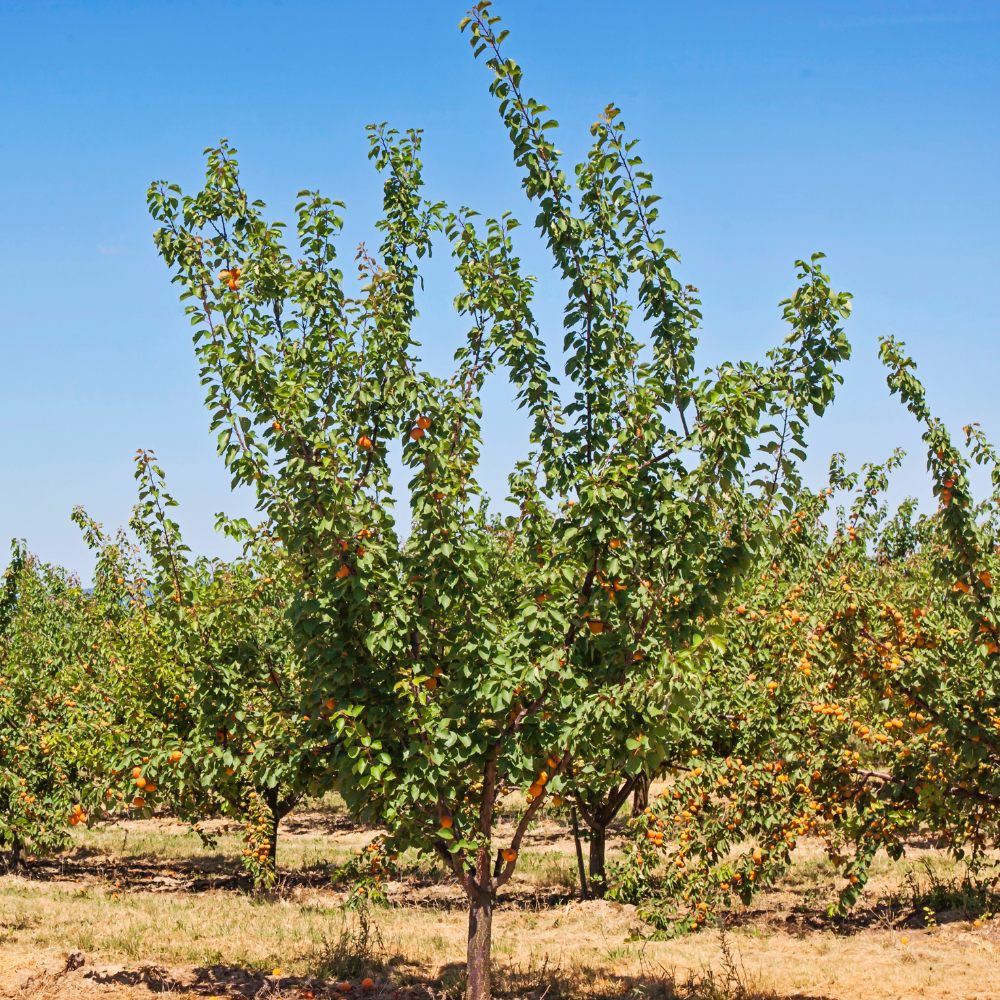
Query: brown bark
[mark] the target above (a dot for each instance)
(480, 886)
(482, 883)
(640, 797)
(584, 892)
(279, 810)
(480, 940)
(598, 817)
(598, 840)
(15, 853)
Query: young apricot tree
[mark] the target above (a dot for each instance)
(471, 657)
(204, 666)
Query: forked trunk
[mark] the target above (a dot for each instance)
(598, 835)
(640, 797)
(478, 955)
(598, 816)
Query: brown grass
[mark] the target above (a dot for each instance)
(167, 927)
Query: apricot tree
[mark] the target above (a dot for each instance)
(204, 667)
(860, 675)
(473, 657)
(55, 718)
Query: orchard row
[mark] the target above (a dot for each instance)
(668, 601)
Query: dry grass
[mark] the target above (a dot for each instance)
(164, 928)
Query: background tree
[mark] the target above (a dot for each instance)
(55, 716)
(863, 674)
(205, 665)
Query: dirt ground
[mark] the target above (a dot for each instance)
(143, 907)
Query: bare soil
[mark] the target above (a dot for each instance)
(143, 907)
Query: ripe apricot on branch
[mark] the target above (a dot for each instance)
(364, 441)
(423, 422)
(447, 822)
(509, 855)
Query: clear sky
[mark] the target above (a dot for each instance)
(867, 130)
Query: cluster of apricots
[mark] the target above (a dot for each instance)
(231, 278)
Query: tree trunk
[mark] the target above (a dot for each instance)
(640, 797)
(478, 954)
(584, 894)
(279, 810)
(15, 853)
(271, 798)
(598, 835)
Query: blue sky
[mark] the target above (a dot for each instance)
(866, 130)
